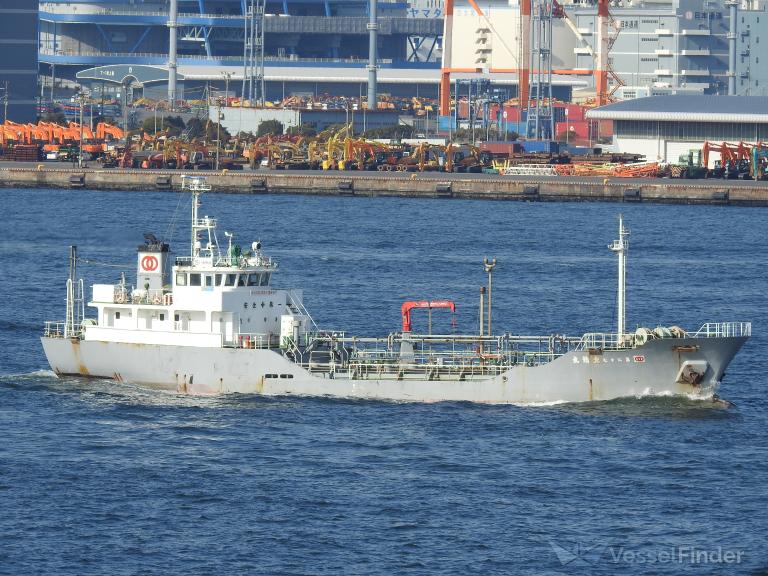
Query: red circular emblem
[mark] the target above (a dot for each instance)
(149, 263)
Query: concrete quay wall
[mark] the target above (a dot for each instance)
(481, 186)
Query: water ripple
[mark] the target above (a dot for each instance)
(98, 477)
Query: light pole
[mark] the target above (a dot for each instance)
(227, 76)
(124, 104)
(488, 265)
(5, 102)
(80, 147)
(81, 96)
(218, 134)
(53, 81)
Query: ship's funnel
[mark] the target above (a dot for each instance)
(152, 266)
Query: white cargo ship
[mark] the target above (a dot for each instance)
(214, 322)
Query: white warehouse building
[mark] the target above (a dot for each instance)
(665, 127)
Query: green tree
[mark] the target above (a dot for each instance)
(395, 132)
(57, 117)
(170, 125)
(215, 132)
(274, 127)
(195, 128)
(174, 122)
(303, 130)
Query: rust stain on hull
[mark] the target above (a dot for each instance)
(81, 368)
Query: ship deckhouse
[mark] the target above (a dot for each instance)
(211, 298)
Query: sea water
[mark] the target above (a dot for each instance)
(98, 477)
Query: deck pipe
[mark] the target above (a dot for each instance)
(373, 28)
(732, 6)
(173, 13)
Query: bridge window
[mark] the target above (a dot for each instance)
(254, 279)
(231, 280)
(181, 279)
(265, 279)
(194, 280)
(242, 279)
(218, 279)
(209, 281)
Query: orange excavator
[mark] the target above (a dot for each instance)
(734, 159)
(103, 130)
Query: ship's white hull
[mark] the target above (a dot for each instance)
(659, 367)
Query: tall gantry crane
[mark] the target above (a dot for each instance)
(540, 124)
(447, 68)
(607, 32)
(253, 51)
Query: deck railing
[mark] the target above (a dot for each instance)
(605, 341)
(56, 329)
(609, 341)
(256, 341)
(722, 330)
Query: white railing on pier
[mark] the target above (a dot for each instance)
(529, 170)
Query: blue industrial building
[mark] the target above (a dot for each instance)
(18, 68)
(329, 33)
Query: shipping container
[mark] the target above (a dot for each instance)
(547, 146)
(576, 130)
(501, 147)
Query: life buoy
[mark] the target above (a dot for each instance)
(120, 298)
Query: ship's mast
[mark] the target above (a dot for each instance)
(194, 248)
(621, 246)
(198, 185)
(69, 325)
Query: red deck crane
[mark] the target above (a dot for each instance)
(429, 304)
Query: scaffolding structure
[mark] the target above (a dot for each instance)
(253, 52)
(540, 122)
